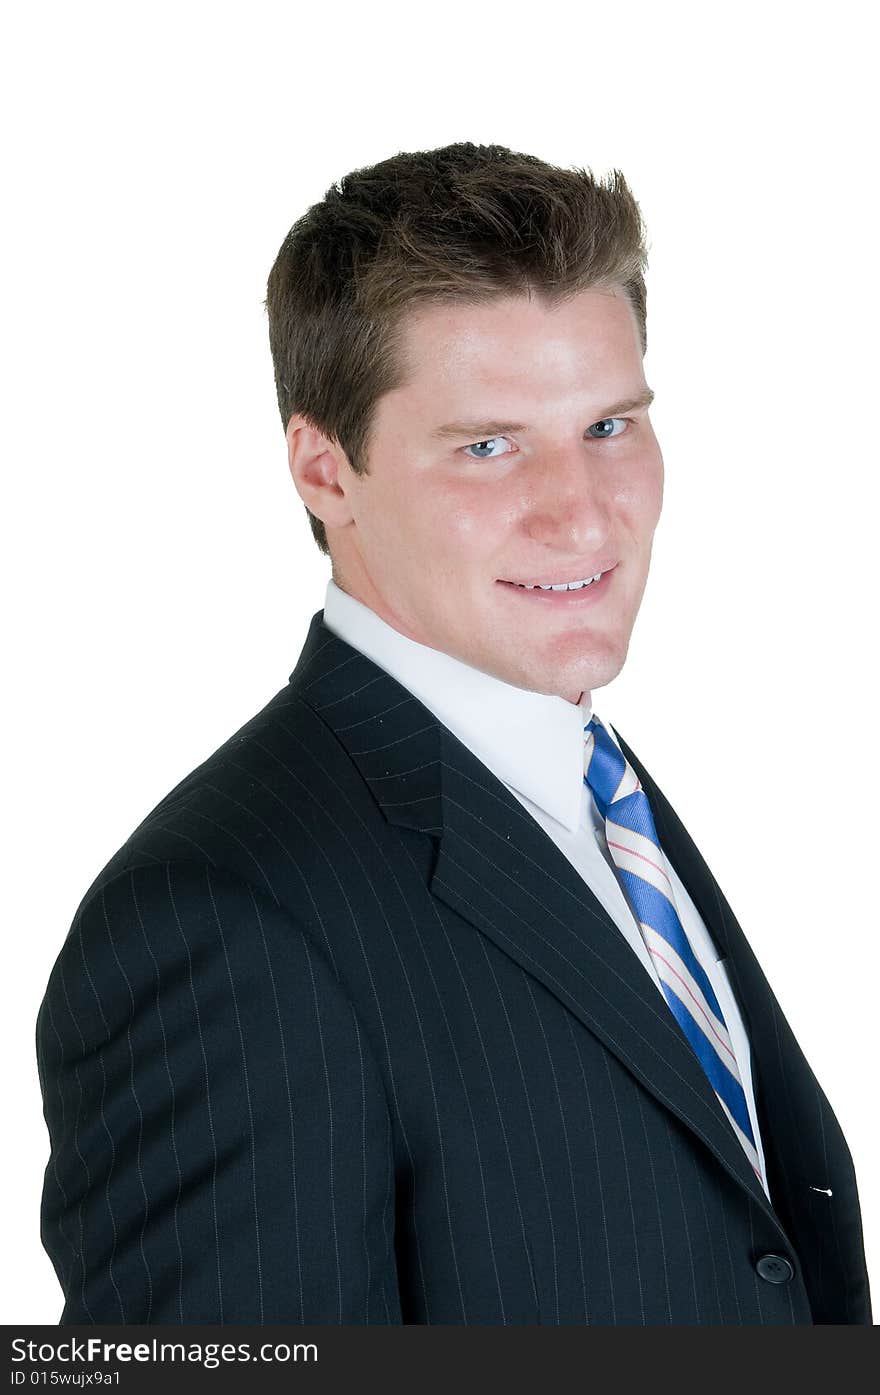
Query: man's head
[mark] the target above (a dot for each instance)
(458, 339)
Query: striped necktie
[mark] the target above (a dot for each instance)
(643, 873)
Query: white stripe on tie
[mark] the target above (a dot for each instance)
(674, 972)
(639, 855)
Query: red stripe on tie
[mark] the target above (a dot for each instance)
(690, 994)
(625, 849)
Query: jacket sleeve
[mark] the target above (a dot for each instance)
(221, 1146)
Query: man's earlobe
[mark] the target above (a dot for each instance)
(319, 470)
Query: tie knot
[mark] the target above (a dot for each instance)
(607, 772)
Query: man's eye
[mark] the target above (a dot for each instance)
(605, 428)
(479, 445)
(607, 421)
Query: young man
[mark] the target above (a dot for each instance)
(415, 1002)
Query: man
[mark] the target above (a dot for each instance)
(415, 1002)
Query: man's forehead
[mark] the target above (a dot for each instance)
(517, 351)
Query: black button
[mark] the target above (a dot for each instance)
(776, 1269)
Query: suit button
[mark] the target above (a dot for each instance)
(776, 1269)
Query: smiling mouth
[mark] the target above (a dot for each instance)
(577, 584)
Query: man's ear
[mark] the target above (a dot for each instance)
(320, 472)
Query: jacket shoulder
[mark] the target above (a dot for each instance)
(251, 802)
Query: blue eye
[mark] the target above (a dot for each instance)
(490, 441)
(607, 435)
(490, 454)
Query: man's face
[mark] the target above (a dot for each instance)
(548, 477)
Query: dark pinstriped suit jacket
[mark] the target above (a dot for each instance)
(339, 1036)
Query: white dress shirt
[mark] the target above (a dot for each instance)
(534, 744)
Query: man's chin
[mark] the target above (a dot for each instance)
(569, 688)
(586, 675)
(567, 680)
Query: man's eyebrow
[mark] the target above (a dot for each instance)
(484, 430)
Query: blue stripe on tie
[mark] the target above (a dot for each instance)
(606, 768)
(635, 814)
(720, 1078)
(654, 909)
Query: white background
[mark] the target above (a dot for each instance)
(160, 573)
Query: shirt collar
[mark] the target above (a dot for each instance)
(533, 742)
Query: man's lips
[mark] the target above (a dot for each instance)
(583, 595)
(566, 574)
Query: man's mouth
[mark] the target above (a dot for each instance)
(574, 586)
(557, 585)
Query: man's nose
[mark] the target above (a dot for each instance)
(569, 505)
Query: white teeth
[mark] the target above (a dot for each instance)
(561, 585)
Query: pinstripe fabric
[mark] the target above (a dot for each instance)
(339, 1035)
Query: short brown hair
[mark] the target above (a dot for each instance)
(464, 222)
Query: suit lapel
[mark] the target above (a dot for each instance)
(498, 869)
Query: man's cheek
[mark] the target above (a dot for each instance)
(464, 523)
